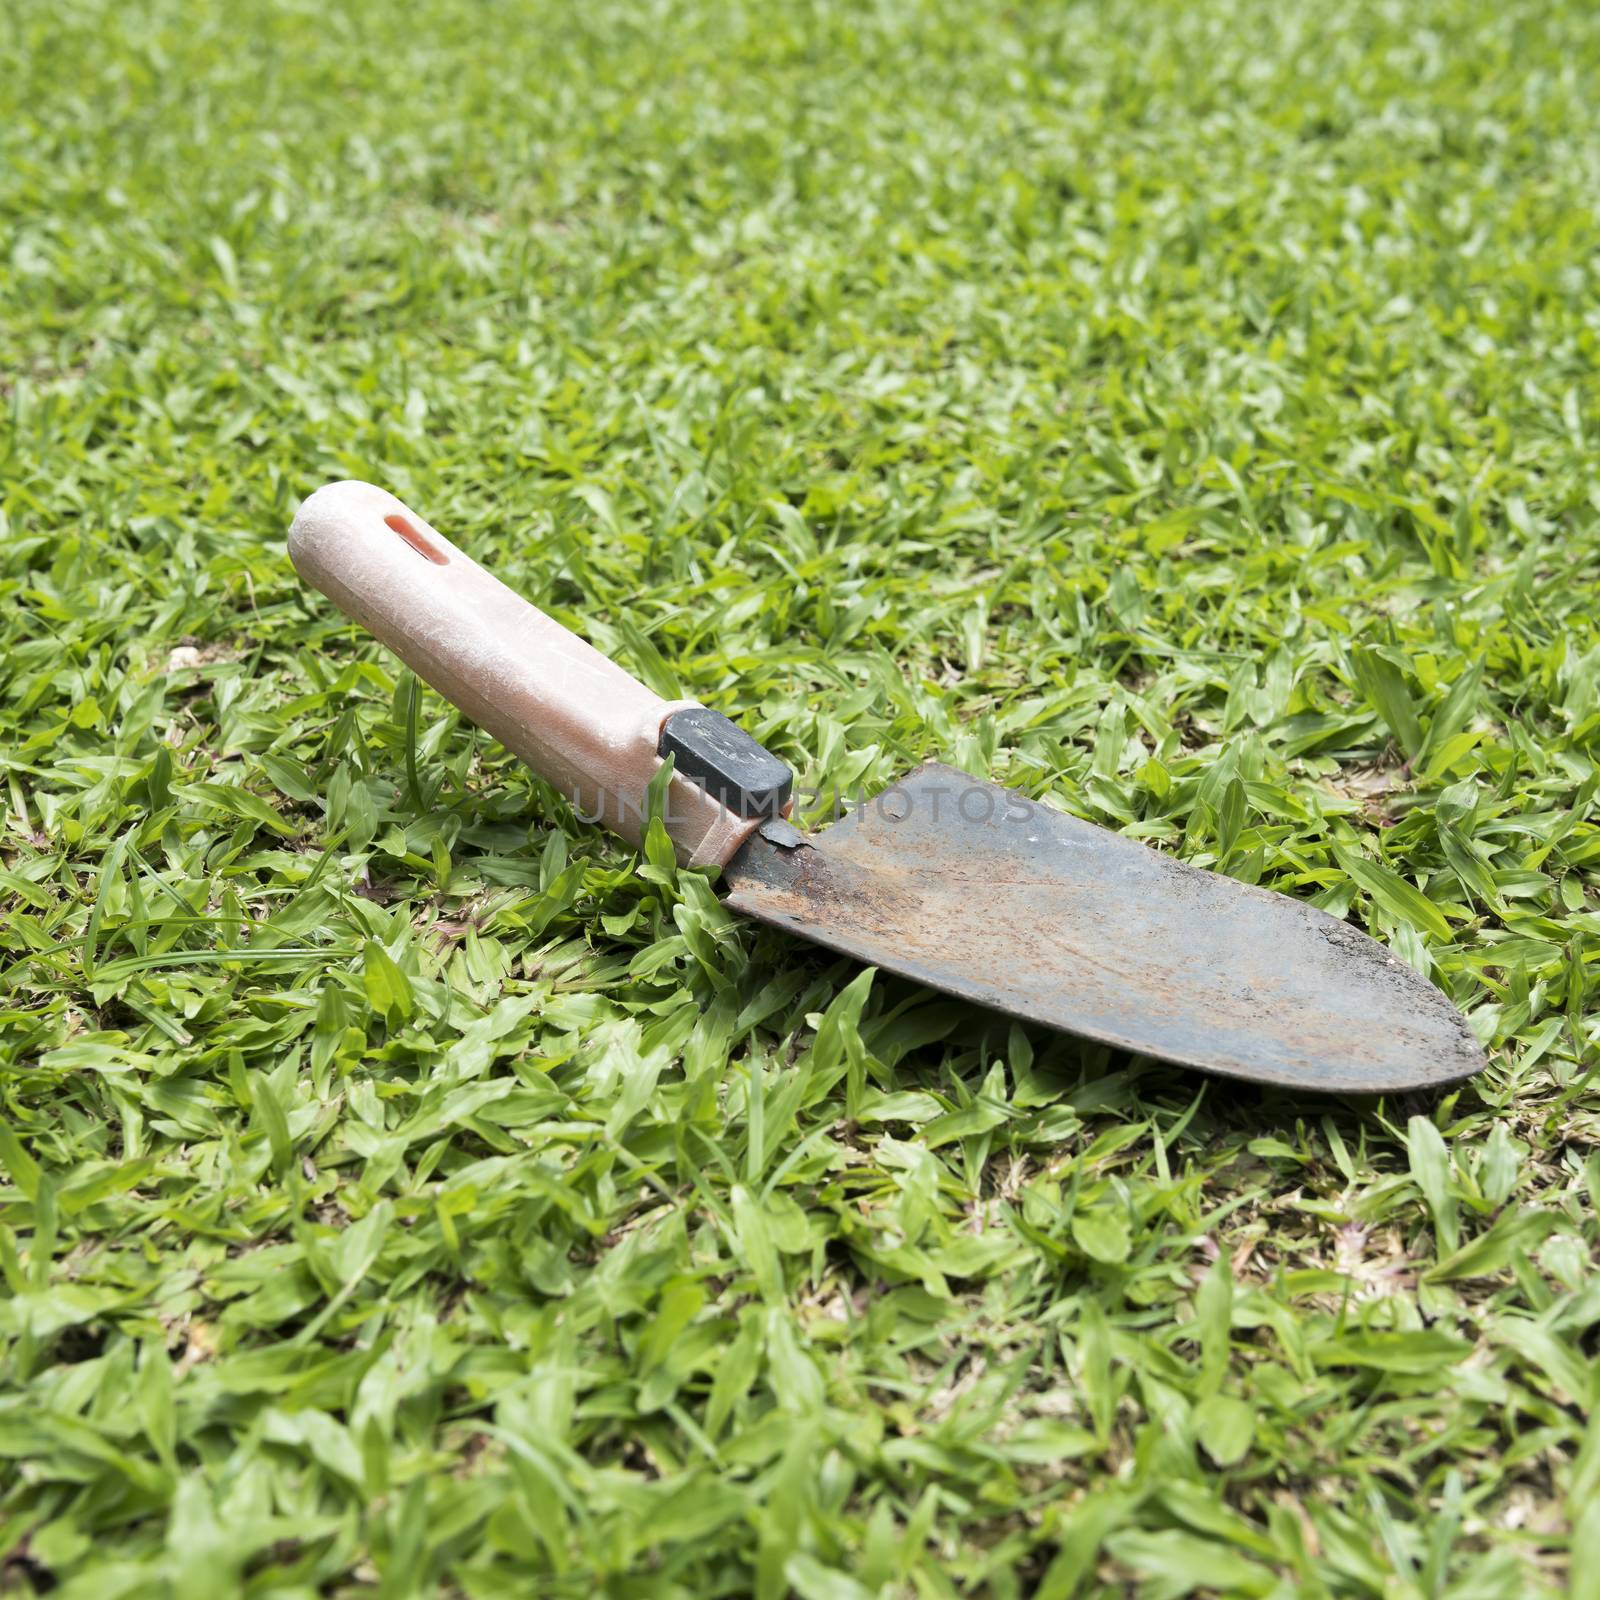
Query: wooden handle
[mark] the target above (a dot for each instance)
(581, 722)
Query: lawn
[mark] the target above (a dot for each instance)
(1183, 413)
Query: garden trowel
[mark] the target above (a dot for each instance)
(947, 880)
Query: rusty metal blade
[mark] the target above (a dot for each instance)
(975, 890)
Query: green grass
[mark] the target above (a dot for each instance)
(1182, 411)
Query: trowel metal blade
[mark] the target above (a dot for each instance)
(980, 892)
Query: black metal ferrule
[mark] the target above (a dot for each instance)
(726, 762)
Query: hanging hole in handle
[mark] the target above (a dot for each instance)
(417, 539)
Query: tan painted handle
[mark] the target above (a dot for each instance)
(581, 722)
